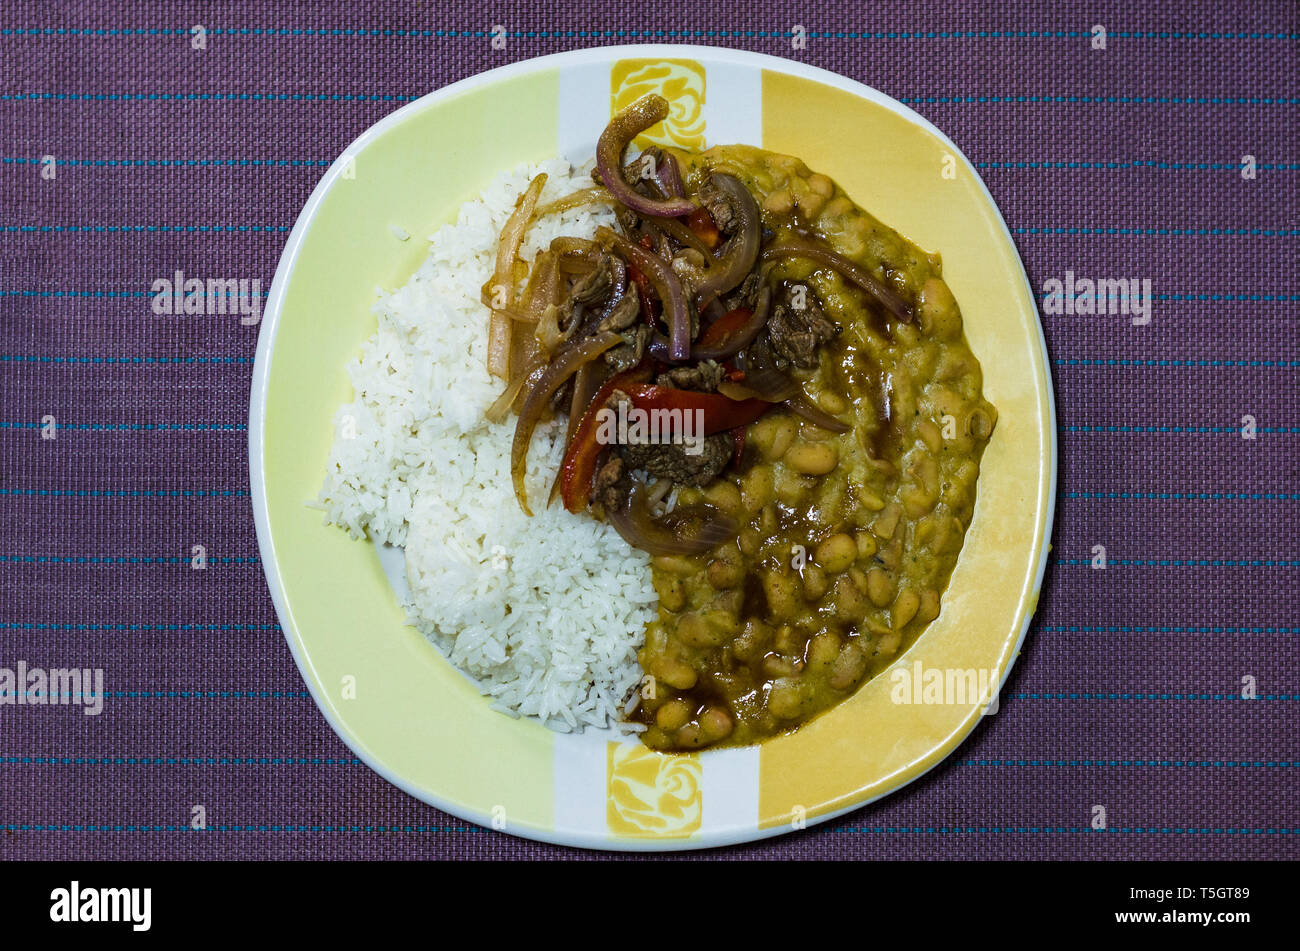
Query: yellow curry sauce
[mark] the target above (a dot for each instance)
(847, 540)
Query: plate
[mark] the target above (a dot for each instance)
(392, 697)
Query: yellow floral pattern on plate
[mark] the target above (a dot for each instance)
(680, 81)
(651, 794)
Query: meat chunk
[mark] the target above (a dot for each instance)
(587, 292)
(719, 206)
(672, 461)
(610, 483)
(703, 378)
(623, 315)
(642, 169)
(629, 221)
(797, 327)
(746, 295)
(627, 355)
(595, 286)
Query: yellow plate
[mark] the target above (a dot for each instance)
(392, 697)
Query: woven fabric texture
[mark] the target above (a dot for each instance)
(126, 155)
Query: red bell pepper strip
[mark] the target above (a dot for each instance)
(578, 471)
(720, 412)
(726, 325)
(644, 294)
(702, 224)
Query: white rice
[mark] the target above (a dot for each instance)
(546, 613)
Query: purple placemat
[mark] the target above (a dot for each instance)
(1122, 162)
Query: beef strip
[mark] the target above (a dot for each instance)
(623, 315)
(579, 310)
(703, 377)
(671, 460)
(611, 486)
(627, 355)
(622, 319)
(718, 206)
(594, 286)
(746, 295)
(794, 333)
(630, 222)
(634, 172)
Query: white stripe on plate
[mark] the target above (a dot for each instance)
(733, 96)
(583, 111)
(733, 105)
(730, 789)
(580, 797)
